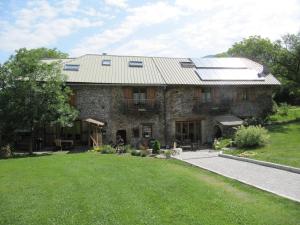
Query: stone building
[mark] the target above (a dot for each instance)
(190, 101)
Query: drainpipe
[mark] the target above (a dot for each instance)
(165, 114)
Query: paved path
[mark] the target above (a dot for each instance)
(280, 182)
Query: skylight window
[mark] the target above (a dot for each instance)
(71, 67)
(187, 64)
(135, 64)
(106, 62)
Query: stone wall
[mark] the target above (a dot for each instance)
(104, 103)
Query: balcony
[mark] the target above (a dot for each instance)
(141, 105)
(212, 108)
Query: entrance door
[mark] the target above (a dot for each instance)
(188, 131)
(122, 133)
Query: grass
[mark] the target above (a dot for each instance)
(90, 188)
(284, 146)
(293, 113)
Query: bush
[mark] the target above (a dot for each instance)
(5, 152)
(221, 143)
(168, 153)
(135, 152)
(156, 147)
(252, 136)
(128, 149)
(143, 153)
(105, 149)
(283, 110)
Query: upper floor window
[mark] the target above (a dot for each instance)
(135, 64)
(245, 95)
(206, 95)
(187, 64)
(106, 62)
(71, 67)
(139, 96)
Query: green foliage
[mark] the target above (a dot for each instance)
(251, 136)
(128, 148)
(282, 58)
(221, 143)
(156, 147)
(5, 152)
(283, 109)
(135, 153)
(168, 153)
(105, 149)
(33, 93)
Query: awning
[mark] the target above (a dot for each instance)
(95, 122)
(229, 120)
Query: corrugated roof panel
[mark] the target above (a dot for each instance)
(155, 71)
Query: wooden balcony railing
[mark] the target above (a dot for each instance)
(141, 105)
(214, 108)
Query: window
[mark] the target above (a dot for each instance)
(245, 94)
(139, 96)
(71, 67)
(106, 62)
(187, 64)
(206, 95)
(135, 64)
(147, 131)
(136, 132)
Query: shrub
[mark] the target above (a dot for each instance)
(5, 152)
(156, 147)
(254, 121)
(135, 152)
(105, 149)
(168, 153)
(143, 153)
(128, 149)
(222, 143)
(252, 136)
(283, 109)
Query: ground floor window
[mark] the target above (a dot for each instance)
(147, 131)
(188, 131)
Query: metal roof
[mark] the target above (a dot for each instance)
(229, 120)
(219, 62)
(155, 71)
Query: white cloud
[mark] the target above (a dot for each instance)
(139, 17)
(117, 3)
(40, 24)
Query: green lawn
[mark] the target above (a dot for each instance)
(90, 188)
(284, 147)
(293, 113)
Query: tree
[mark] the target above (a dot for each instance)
(282, 57)
(33, 93)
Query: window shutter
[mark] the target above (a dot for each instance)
(151, 93)
(127, 93)
(252, 95)
(237, 95)
(216, 95)
(198, 93)
(72, 98)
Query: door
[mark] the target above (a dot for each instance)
(122, 133)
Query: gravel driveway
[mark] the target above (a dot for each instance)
(280, 182)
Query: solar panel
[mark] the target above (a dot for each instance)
(229, 74)
(219, 63)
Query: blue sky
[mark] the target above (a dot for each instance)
(179, 28)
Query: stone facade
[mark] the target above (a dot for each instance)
(173, 104)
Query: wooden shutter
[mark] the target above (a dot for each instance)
(127, 91)
(237, 95)
(198, 93)
(151, 95)
(72, 98)
(252, 94)
(216, 95)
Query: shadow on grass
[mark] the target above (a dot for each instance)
(19, 155)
